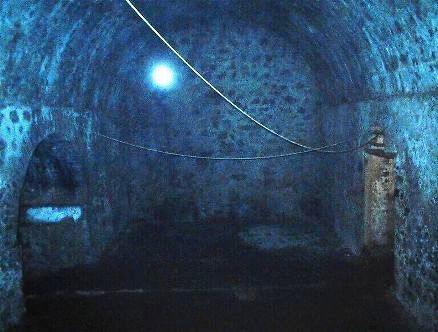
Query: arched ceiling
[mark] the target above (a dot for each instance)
(73, 52)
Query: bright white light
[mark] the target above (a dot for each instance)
(53, 214)
(163, 76)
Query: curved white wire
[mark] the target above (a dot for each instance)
(197, 73)
(192, 156)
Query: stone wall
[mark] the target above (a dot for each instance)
(269, 80)
(416, 192)
(317, 71)
(22, 128)
(53, 79)
(55, 189)
(254, 65)
(17, 142)
(385, 75)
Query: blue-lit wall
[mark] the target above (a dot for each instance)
(54, 231)
(319, 71)
(393, 48)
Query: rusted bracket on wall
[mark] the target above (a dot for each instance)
(379, 182)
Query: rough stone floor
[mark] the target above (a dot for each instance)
(219, 277)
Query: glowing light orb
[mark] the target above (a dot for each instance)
(163, 76)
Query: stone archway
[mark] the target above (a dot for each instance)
(22, 128)
(53, 231)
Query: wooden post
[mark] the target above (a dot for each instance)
(379, 196)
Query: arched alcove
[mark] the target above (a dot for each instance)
(53, 230)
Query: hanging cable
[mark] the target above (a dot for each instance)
(321, 149)
(192, 156)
